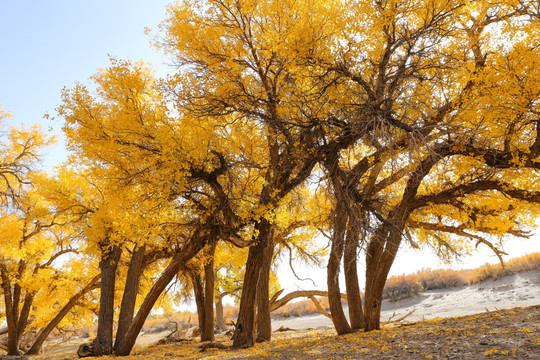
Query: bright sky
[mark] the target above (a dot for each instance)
(47, 45)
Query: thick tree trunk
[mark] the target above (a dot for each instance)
(44, 333)
(177, 262)
(264, 322)
(379, 260)
(129, 298)
(103, 344)
(198, 293)
(243, 334)
(354, 298)
(207, 332)
(220, 320)
(336, 252)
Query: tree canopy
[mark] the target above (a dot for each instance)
(379, 124)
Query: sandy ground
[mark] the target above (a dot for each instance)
(521, 289)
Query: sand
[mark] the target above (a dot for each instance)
(521, 289)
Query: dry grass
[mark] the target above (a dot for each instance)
(497, 271)
(404, 286)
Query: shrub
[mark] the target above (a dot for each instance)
(497, 271)
(405, 286)
(441, 279)
(401, 287)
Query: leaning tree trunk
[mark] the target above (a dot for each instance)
(24, 314)
(336, 251)
(44, 333)
(103, 343)
(177, 262)
(207, 331)
(243, 334)
(264, 322)
(129, 298)
(354, 299)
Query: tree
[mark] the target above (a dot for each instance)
(456, 130)
(32, 242)
(141, 159)
(241, 65)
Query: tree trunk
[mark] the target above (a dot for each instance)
(179, 260)
(23, 316)
(264, 322)
(354, 299)
(198, 293)
(220, 320)
(11, 317)
(243, 334)
(103, 344)
(129, 298)
(207, 332)
(44, 333)
(336, 252)
(379, 260)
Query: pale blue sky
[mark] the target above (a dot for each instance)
(48, 44)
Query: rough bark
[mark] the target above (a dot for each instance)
(264, 322)
(44, 333)
(380, 255)
(356, 315)
(336, 252)
(243, 334)
(103, 343)
(25, 312)
(179, 260)
(207, 332)
(129, 297)
(198, 293)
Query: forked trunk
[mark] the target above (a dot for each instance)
(243, 334)
(264, 322)
(177, 262)
(379, 260)
(129, 298)
(336, 252)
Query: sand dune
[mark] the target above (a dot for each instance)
(521, 289)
